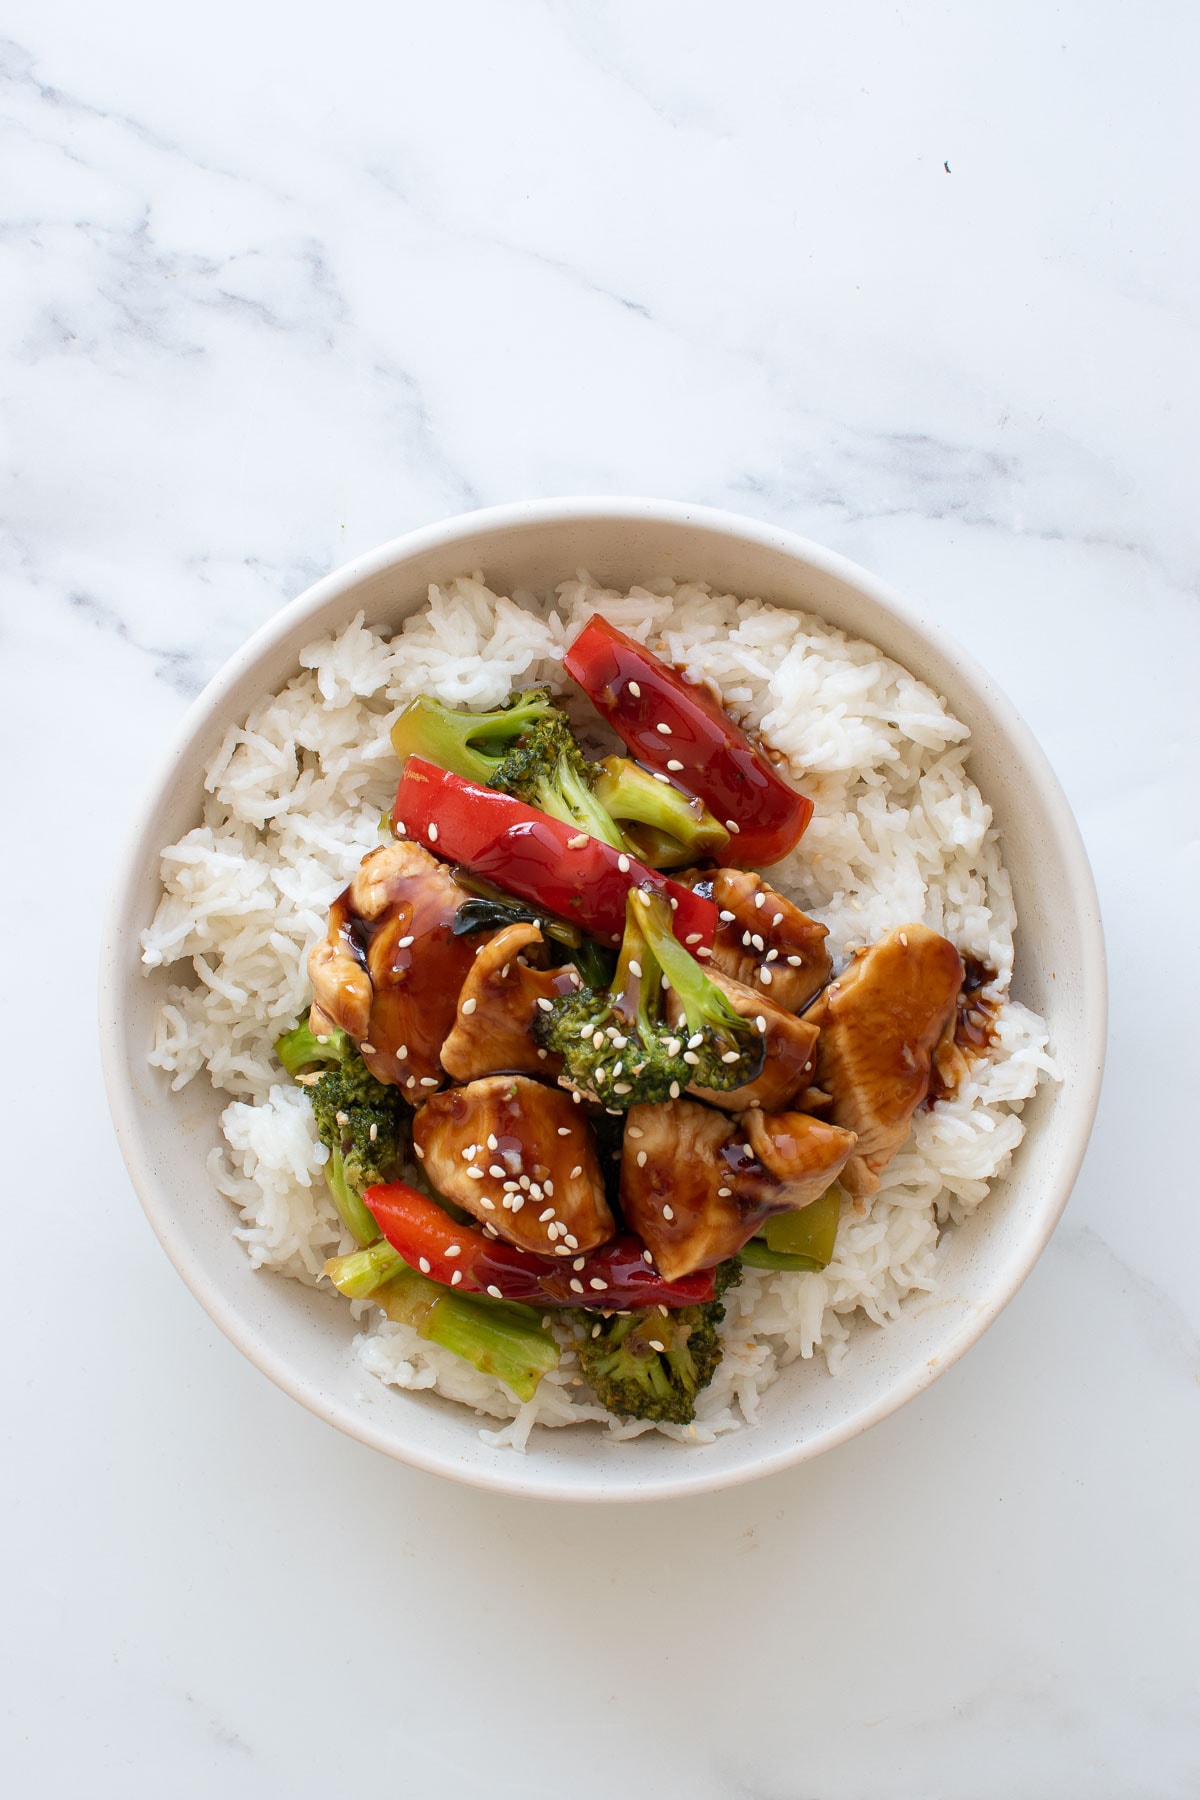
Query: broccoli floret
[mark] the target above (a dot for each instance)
(643, 1366)
(470, 744)
(527, 749)
(615, 1042)
(666, 827)
(358, 1119)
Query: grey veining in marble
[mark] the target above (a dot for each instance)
(279, 282)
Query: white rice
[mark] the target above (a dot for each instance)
(899, 833)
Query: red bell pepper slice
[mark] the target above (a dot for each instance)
(429, 1240)
(664, 718)
(538, 858)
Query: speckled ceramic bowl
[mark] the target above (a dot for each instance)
(302, 1338)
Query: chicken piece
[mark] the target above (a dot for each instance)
(790, 1049)
(765, 941)
(497, 1005)
(695, 1187)
(521, 1158)
(880, 1021)
(389, 969)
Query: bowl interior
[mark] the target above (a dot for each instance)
(301, 1338)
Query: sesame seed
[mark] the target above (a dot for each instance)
(475, 1173)
(597, 1040)
(561, 1250)
(759, 898)
(664, 1312)
(433, 834)
(617, 1068)
(635, 968)
(423, 1264)
(674, 1090)
(374, 1132)
(771, 955)
(663, 727)
(564, 1131)
(524, 1181)
(601, 1077)
(674, 763)
(745, 940)
(595, 1331)
(618, 1042)
(726, 918)
(794, 962)
(495, 1293)
(635, 1131)
(765, 976)
(416, 1147)
(576, 1096)
(468, 1007)
(761, 1022)
(730, 1056)
(724, 1193)
(757, 942)
(342, 1118)
(577, 842)
(622, 1087)
(576, 1285)
(322, 1039)
(404, 942)
(695, 1041)
(487, 1205)
(535, 1192)
(496, 1170)
(641, 896)
(572, 1243)
(601, 1287)
(548, 1188)
(518, 1202)
(668, 1214)
(575, 1172)
(646, 1257)
(693, 937)
(493, 1142)
(673, 1046)
(655, 1345)
(546, 1005)
(504, 972)
(732, 825)
(659, 776)
(402, 1053)
(641, 1159)
(634, 689)
(623, 864)
(690, 1057)
(367, 1049)
(904, 939)
(777, 919)
(455, 1277)
(702, 951)
(548, 1214)
(489, 1228)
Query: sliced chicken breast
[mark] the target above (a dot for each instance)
(694, 1186)
(880, 1022)
(765, 941)
(497, 1004)
(521, 1158)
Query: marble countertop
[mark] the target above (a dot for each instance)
(283, 281)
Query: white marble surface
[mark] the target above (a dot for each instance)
(280, 281)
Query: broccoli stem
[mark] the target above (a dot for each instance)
(567, 798)
(703, 1002)
(359, 1273)
(495, 1337)
(456, 740)
(352, 1211)
(674, 828)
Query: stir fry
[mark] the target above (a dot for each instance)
(576, 1063)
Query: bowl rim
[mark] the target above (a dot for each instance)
(1075, 1127)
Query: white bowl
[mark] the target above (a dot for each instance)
(302, 1338)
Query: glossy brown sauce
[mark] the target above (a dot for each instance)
(974, 1031)
(415, 985)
